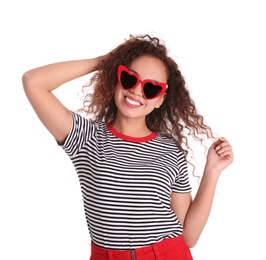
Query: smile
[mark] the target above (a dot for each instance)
(132, 102)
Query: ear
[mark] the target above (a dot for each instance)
(160, 100)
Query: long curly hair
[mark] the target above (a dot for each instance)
(177, 117)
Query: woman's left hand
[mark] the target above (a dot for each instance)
(220, 155)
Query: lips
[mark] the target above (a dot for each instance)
(132, 102)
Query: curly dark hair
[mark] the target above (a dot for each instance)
(177, 117)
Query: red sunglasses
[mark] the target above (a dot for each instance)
(129, 79)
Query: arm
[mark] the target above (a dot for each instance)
(194, 215)
(39, 83)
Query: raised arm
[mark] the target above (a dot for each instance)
(194, 215)
(39, 83)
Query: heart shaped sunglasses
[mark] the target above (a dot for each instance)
(129, 79)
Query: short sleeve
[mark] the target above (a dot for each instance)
(81, 132)
(181, 183)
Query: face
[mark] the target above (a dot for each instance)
(132, 103)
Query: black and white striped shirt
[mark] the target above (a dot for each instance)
(126, 183)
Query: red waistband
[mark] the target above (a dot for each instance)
(162, 246)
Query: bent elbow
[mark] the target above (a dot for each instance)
(191, 242)
(27, 80)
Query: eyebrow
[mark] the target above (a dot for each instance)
(154, 80)
(133, 71)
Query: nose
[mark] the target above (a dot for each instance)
(137, 90)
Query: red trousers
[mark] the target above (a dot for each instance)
(168, 249)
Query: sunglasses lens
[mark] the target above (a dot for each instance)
(151, 90)
(128, 81)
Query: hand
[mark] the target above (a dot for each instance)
(220, 155)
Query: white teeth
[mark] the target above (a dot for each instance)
(133, 102)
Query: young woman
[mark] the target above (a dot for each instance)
(131, 153)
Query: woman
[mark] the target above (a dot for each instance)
(131, 154)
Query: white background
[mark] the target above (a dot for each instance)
(220, 47)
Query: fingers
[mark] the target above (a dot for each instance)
(223, 147)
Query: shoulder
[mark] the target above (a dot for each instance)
(85, 128)
(80, 120)
(167, 141)
(170, 144)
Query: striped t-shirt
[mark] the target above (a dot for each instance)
(126, 183)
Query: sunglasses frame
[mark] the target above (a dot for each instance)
(122, 68)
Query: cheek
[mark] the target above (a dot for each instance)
(118, 94)
(150, 106)
(155, 103)
(152, 103)
(159, 101)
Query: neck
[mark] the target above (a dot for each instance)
(132, 127)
